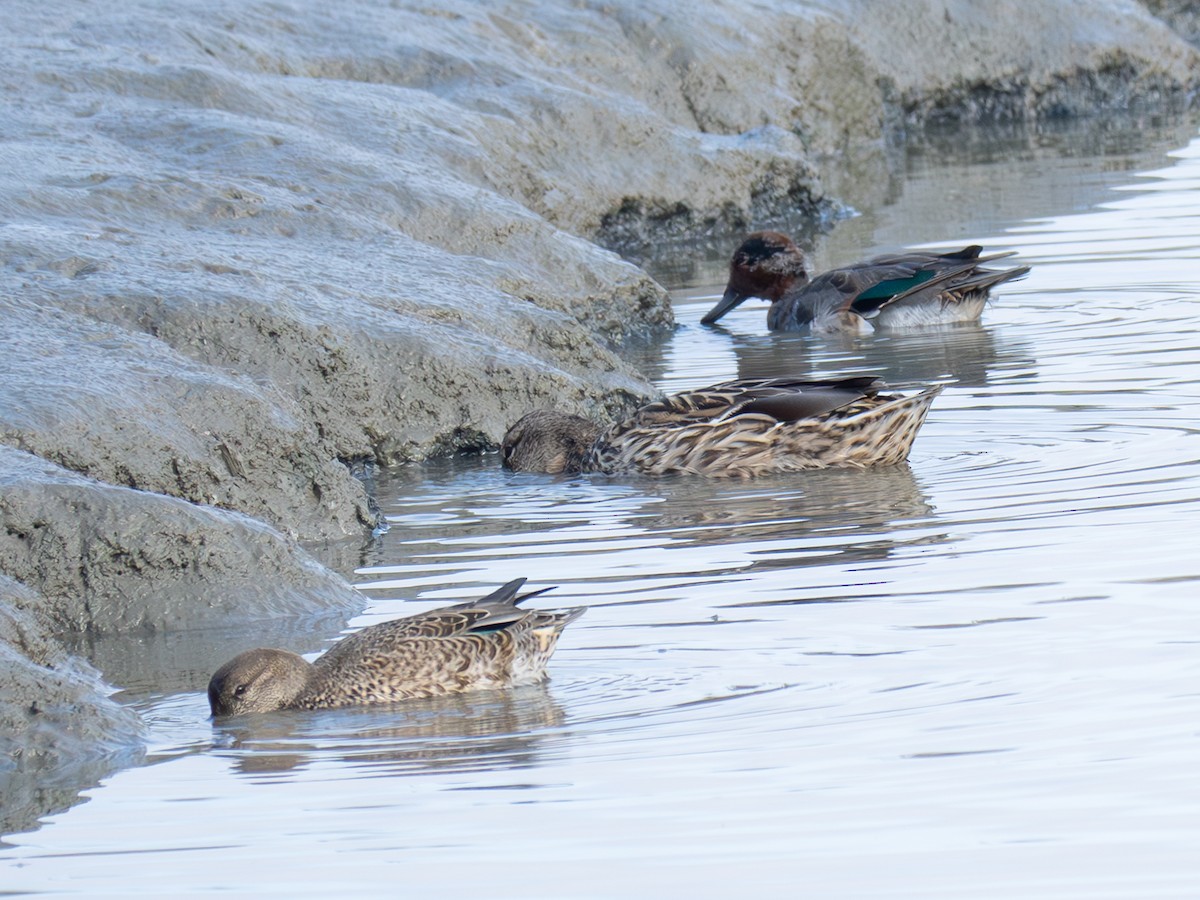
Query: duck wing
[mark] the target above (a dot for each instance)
(783, 399)
(860, 288)
(495, 612)
(889, 279)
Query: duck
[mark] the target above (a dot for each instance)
(741, 428)
(488, 643)
(894, 291)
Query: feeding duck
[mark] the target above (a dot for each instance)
(484, 644)
(903, 290)
(742, 428)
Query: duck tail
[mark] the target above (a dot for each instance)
(536, 593)
(898, 420)
(986, 279)
(561, 618)
(972, 254)
(505, 594)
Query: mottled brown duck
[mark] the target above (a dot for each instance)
(737, 428)
(489, 643)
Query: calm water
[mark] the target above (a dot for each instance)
(977, 676)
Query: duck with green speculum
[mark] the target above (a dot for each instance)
(905, 290)
(485, 644)
(737, 428)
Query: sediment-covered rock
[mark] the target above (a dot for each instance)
(59, 731)
(1015, 60)
(110, 558)
(1182, 15)
(124, 408)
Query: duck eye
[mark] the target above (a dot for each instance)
(240, 690)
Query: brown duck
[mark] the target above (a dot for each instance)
(742, 428)
(485, 644)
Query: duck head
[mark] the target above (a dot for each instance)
(766, 265)
(548, 441)
(258, 681)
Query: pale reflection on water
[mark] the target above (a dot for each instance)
(486, 730)
(975, 675)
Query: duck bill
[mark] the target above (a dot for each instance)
(731, 299)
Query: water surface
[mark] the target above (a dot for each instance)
(974, 676)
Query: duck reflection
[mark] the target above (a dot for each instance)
(968, 354)
(797, 521)
(465, 732)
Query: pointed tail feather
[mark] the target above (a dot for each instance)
(988, 279)
(992, 257)
(503, 594)
(564, 617)
(969, 252)
(536, 593)
(972, 254)
(506, 595)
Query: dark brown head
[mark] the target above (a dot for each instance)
(257, 681)
(766, 265)
(548, 441)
